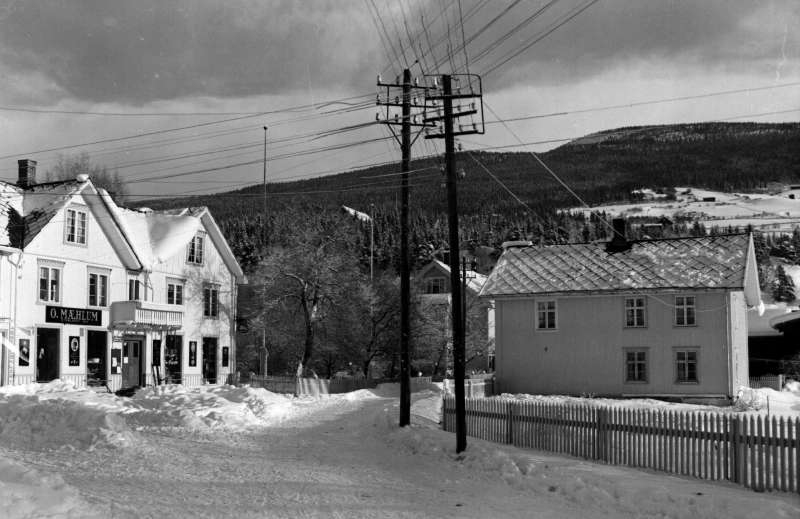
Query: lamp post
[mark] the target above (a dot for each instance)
(264, 228)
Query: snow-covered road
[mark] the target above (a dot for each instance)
(344, 457)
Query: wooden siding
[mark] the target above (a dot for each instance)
(585, 354)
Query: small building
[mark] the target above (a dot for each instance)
(433, 286)
(99, 295)
(657, 318)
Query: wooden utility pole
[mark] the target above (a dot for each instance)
(447, 95)
(405, 271)
(405, 122)
(455, 282)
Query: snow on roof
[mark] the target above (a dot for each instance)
(157, 236)
(25, 212)
(474, 280)
(705, 262)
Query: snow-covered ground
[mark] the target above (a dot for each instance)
(222, 451)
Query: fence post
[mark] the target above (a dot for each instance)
(601, 433)
(735, 454)
(510, 423)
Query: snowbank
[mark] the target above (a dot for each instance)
(26, 493)
(58, 415)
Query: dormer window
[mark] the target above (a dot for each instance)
(195, 252)
(75, 227)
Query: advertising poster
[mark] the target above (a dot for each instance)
(192, 353)
(74, 351)
(24, 352)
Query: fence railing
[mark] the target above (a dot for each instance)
(322, 386)
(771, 381)
(759, 452)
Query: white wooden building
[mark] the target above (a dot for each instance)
(100, 295)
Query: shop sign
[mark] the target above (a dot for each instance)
(66, 315)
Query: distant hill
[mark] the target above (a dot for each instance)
(600, 168)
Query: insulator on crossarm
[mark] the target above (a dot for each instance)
(416, 81)
(378, 99)
(379, 78)
(377, 116)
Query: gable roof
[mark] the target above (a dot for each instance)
(474, 280)
(41, 202)
(709, 262)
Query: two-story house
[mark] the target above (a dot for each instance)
(433, 287)
(659, 318)
(99, 295)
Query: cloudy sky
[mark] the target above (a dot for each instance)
(172, 88)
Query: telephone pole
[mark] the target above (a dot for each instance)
(405, 121)
(466, 107)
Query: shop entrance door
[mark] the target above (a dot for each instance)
(97, 358)
(131, 370)
(47, 354)
(210, 360)
(172, 359)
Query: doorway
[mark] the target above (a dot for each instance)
(210, 360)
(47, 354)
(172, 359)
(131, 362)
(96, 358)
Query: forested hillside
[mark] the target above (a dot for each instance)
(599, 168)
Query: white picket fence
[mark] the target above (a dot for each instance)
(771, 381)
(759, 452)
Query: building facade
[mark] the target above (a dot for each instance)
(658, 318)
(98, 295)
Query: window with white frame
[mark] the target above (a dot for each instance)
(635, 365)
(546, 315)
(685, 366)
(50, 284)
(195, 253)
(134, 289)
(635, 313)
(174, 292)
(685, 310)
(98, 289)
(75, 226)
(435, 286)
(211, 301)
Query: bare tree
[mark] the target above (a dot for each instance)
(70, 166)
(303, 287)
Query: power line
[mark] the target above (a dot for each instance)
(154, 132)
(161, 114)
(529, 44)
(644, 103)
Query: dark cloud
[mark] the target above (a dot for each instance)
(143, 50)
(146, 50)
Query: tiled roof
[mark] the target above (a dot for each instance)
(706, 262)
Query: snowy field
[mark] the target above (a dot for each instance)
(222, 451)
(774, 213)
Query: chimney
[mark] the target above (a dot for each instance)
(619, 242)
(27, 173)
